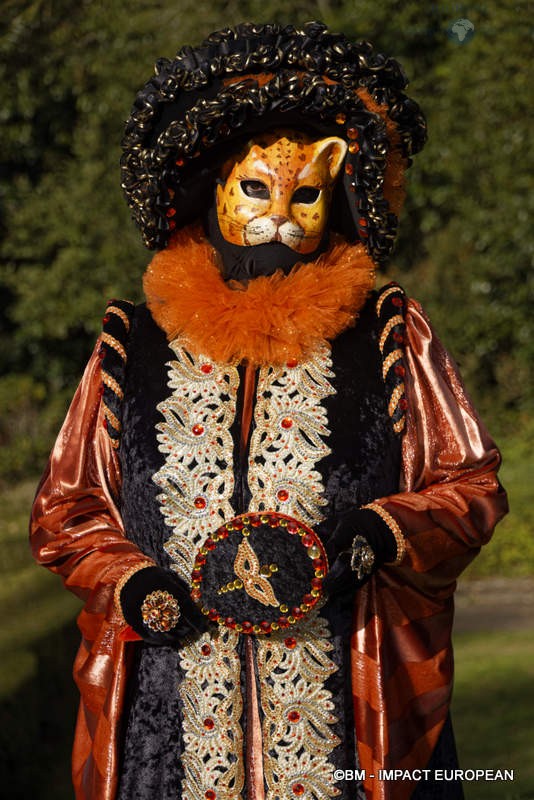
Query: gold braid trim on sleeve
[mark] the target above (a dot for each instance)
(125, 577)
(394, 528)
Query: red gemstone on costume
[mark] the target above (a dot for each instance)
(349, 169)
(318, 563)
(205, 650)
(213, 614)
(316, 583)
(171, 212)
(198, 429)
(196, 575)
(292, 527)
(292, 363)
(238, 524)
(403, 403)
(206, 369)
(352, 133)
(308, 540)
(265, 626)
(397, 301)
(398, 337)
(293, 716)
(297, 612)
(209, 544)
(255, 521)
(399, 370)
(298, 789)
(200, 560)
(200, 503)
(210, 795)
(172, 225)
(287, 423)
(363, 222)
(105, 319)
(283, 622)
(247, 626)
(274, 522)
(282, 495)
(230, 622)
(209, 724)
(354, 147)
(309, 599)
(179, 162)
(290, 642)
(196, 594)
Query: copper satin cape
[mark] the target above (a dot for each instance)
(448, 505)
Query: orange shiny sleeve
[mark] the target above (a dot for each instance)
(450, 498)
(76, 529)
(448, 504)
(77, 532)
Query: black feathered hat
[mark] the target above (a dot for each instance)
(244, 80)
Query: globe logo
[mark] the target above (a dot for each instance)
(461, 31)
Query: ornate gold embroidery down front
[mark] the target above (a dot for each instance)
(197, 477)
(298, 712)
(197, 480)
(197, 483)
(212, 709)
(288, 440)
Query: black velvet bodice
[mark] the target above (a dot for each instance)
(364, 462)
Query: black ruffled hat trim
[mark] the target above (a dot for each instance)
(187, 118)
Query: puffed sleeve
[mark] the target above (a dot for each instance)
(448, 503)
(450, 498)
(77, 532)
(76, 529)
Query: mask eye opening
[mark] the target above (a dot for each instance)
(255, 189)
(306, 195)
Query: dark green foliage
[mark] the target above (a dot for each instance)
(68, 74)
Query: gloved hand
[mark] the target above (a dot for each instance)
(360, 543)
(160, 618)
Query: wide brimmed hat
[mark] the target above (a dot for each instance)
(242, 81)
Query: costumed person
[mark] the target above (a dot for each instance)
(271, 475)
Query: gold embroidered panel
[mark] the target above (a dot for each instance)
(289, 438)
(298, 711)
(197, 477)
(213, 758)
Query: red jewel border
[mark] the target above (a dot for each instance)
(275, 520)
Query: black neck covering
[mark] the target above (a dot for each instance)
(245, 263)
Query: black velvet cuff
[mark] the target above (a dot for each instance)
(362, 522)
(367, 523)
(148, 580)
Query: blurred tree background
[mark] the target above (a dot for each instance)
(69, 71)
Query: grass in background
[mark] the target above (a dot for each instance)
(493, 711)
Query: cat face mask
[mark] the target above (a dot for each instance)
(279, 191)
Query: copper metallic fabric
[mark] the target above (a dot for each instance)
(77, 532)
(401, 650)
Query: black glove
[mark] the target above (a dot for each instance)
(360, 543)
(183, 616)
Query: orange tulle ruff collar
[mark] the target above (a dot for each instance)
(272, 319)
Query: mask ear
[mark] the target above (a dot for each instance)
(333, 150)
